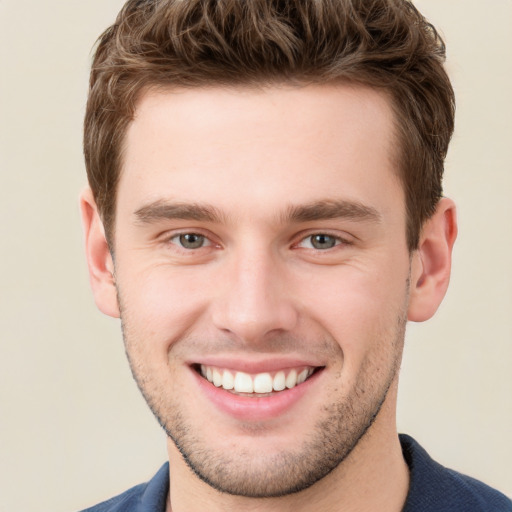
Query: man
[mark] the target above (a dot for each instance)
(265, 213)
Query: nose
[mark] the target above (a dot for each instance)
(254, 298)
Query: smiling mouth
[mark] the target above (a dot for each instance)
(256, 384)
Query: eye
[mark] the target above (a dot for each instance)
(320, 241)
(190, 240)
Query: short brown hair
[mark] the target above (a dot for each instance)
(385, 44)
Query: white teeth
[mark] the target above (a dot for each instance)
(260, 383)
(279, 381)
(263, 383)
(243, 383)
(291, 380)
(303, 375)
(217, 378)
(228, 381)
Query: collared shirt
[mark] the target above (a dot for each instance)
(433, 488)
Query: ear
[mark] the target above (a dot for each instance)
(431, 262)
(99, 259)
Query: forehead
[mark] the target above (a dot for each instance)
(220, 144)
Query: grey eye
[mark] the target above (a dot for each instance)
(323, 241)
(191, 240)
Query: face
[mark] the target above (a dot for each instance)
(262, 274)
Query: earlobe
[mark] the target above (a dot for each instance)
(431, 262)
(99, 258)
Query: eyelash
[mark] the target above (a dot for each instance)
(336, 239)
(176, 239)
(179, 243)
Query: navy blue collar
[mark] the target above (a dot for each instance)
(433, 488)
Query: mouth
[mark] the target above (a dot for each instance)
(256, 385)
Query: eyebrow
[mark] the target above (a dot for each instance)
(333, 209)
(318, 210)
(164, 210)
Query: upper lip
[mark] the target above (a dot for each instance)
(254, 366)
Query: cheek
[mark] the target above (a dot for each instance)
(359, 308)
(159, 304)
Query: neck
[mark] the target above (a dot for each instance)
(373, 477)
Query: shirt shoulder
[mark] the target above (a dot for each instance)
(147, 497)
(434, 488)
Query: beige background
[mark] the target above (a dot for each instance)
(73, 429)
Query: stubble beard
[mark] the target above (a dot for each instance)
(287, 472)
(339, 430)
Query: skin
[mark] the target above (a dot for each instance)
(248, 170)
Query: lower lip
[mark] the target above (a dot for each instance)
(255, 409)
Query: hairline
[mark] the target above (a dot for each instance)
(396, 155)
